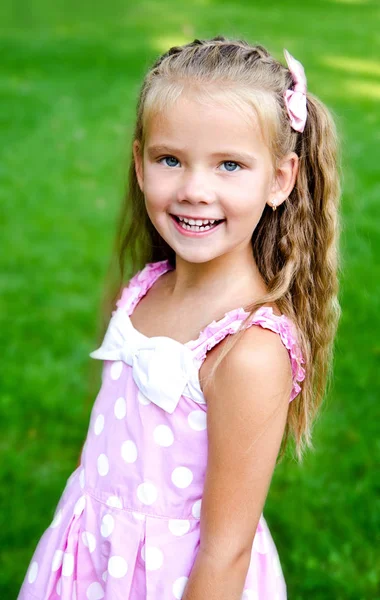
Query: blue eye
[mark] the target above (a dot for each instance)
(170, 161)
(230, 166)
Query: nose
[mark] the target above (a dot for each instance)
(196, 187)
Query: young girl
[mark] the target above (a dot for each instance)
(233, 210)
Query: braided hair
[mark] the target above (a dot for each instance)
(295, 247)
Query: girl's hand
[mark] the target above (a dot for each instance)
(247, 403)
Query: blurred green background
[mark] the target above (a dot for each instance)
(70, 74)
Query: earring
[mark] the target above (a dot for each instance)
(274, 204)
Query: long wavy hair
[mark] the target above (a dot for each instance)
(296, 246)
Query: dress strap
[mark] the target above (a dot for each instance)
(264, 317)
(140, 283)
(216, 331)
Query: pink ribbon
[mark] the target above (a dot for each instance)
(295, 99)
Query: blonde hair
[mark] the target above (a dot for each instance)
(295, 247)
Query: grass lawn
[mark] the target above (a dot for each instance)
(69, 78)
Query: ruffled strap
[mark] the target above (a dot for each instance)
(140, 283)
(264, 317)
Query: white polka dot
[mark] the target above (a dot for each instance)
(99, 424)
(129, 451)
(103, 466)
(58, 587)
(107, 526)
(197, 420)
(120, 408)
(147, 493)
(68, 564)
(182, 477)
(260, 542)
(95, 591)
(79, 506)
(142, 399)
(82, 479)
(114, 501)
(153, 557)
(33, 572)
(139, 516)
(116, 369)
(57, 560)
(105, 575)
(196, 509)
(163, 435)
(179, 587)
(89, 541)
(179, 526)
(277, 566)
(57, 519)
(117, 566)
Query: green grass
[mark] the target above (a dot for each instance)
(69, 78)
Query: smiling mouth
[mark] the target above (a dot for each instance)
(197, 224)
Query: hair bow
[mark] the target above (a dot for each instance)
(295, 98)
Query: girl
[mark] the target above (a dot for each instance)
(233, 210)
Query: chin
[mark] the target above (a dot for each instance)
(196, 257)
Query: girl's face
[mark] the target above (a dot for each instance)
(207, 164)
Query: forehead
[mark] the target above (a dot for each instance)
(205, 122)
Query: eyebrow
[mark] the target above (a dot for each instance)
(163, 149)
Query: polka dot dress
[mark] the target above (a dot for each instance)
(127, 525)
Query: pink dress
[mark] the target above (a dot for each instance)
(127, 524)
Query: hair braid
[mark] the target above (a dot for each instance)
(295, 247)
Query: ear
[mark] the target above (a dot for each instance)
(284, 178)
(138, 158)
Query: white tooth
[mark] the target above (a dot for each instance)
(191, 222)
(199, 222)
(212, 221)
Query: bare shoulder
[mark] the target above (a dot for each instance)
(247, 405)
(258, 362)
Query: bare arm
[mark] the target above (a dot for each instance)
(247, 409)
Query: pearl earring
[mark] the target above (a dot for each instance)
(274, 204)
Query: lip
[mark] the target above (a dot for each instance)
(188, 233)
(195, 218)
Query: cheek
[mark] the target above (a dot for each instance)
(248, 199)
(157, 208)
(157, 190)
(156, 196)
(247, 206)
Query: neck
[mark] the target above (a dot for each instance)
(228, 275)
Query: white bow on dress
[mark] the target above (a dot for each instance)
(161, 366)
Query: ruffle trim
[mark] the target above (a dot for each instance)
(265, 317)
(140, 284)
(216, 331)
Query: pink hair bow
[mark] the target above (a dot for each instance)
(295, 99)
